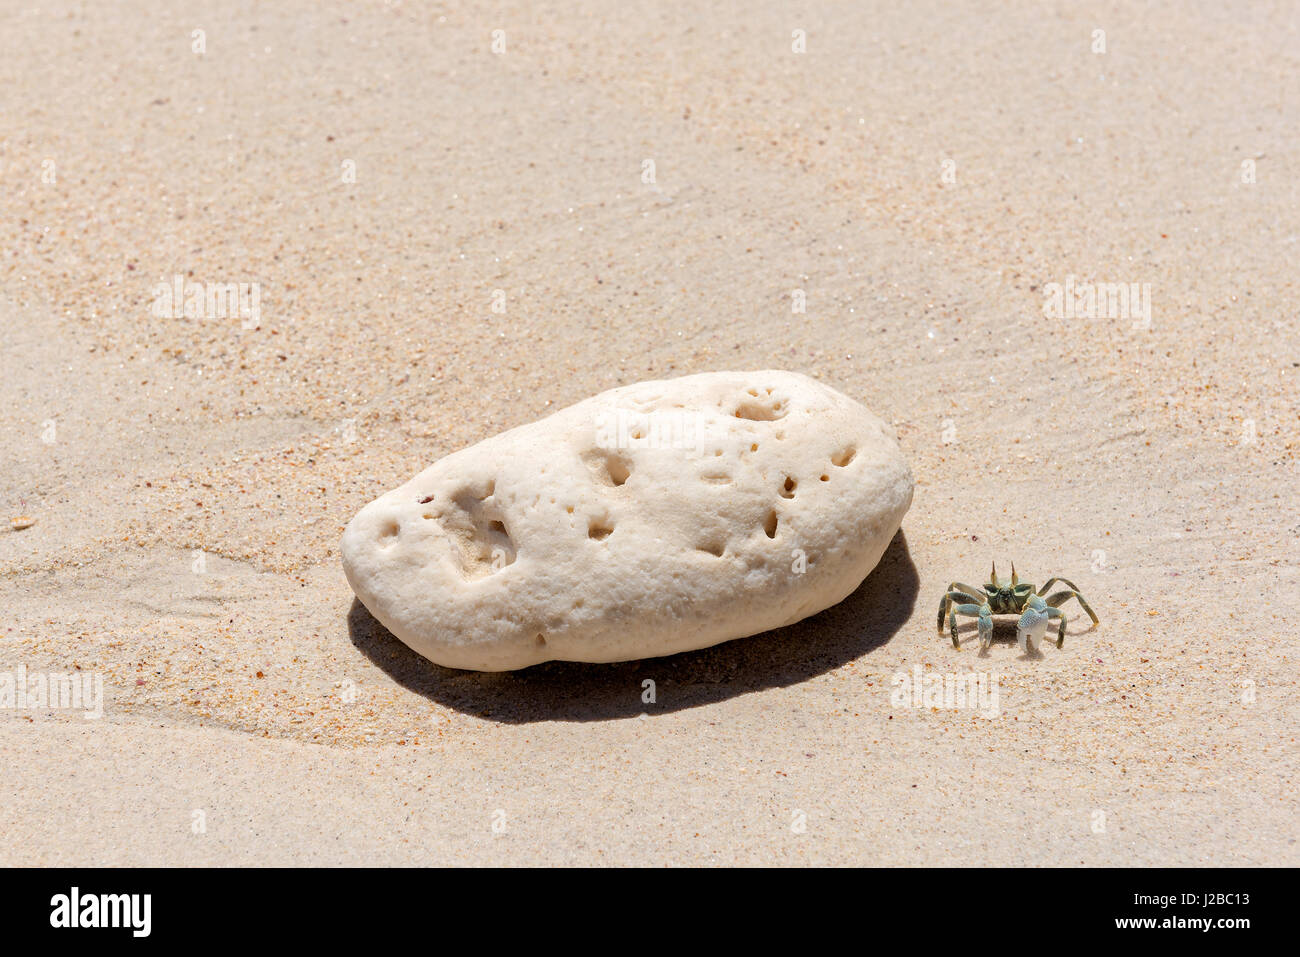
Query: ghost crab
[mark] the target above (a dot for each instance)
(1018, 598)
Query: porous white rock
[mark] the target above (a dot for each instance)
(647, 520)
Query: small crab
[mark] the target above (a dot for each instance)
(1018, 598)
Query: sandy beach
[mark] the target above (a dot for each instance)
(440, 221)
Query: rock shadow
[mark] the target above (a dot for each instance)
(575, 691)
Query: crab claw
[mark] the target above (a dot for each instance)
(1030, 629)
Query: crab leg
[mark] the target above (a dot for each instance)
(981, 611)
(1052, 581)
(956, 591)
(1052, 612)
(986, 626)
(1062, 596)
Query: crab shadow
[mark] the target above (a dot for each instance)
(570, 691)
(1004, 633)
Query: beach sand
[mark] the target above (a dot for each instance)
(922, 174)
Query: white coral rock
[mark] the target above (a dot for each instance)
(650, 519)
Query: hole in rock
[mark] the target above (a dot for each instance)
(787, 489)
(769, 524)
(753, 447)
(826, 478)
(844, 457)
(388, 531)
(608, 468)
(764, 409)
(426, 500)
(599, 529)
(618, 470)
(540, 639)
(717, 478)
(482, 542)
(713, 548)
